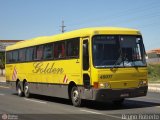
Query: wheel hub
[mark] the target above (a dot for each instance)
(26, 89)
(19, 91)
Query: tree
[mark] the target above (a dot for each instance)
(2, 61)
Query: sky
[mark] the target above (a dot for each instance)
(26, 19)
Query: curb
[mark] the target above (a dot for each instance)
(154, 87)
(3, 83)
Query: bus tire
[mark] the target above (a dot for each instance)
(118, 102)
(75, 97)
(19, 90)
(26, 90)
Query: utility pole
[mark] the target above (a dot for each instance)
(62, 27)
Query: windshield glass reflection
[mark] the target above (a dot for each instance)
(118, 51)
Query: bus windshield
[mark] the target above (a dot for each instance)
(118, 51)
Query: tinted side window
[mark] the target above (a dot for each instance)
(8, 57)
(15, 56)
(39, 52)
(29, 54)
(48, 51)
(73, 48)
(22, 54)
(59, 50)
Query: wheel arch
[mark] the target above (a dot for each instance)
(17, 81)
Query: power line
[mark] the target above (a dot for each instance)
(112, 18)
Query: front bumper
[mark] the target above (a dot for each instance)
(116, 94)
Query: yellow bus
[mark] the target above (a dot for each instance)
(101, 64)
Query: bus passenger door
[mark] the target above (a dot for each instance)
(86, 70)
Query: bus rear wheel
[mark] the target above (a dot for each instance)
(26, 90)
(75, 97)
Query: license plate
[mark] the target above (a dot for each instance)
(124, 95)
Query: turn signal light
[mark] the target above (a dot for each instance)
(96, 85)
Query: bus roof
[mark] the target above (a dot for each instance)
(85, 32)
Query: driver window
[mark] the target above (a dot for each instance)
(85, 55)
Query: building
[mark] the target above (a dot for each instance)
(4, 43)
(153, 56)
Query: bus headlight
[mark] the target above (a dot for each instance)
(104, 85)
(142, 82)
(101, 85)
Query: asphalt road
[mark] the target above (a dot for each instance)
(50, 108)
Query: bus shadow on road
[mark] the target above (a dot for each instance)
(128, 103)
(49, 99)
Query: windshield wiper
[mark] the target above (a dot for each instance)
(119, 60)
(104, 66)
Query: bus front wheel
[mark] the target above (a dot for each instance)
(26, 90)
(75, 97)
